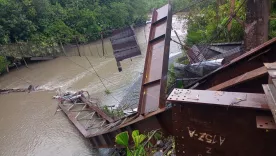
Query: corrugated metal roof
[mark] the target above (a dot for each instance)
(258, 49)
(199, 53)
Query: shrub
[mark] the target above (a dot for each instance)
(3, 64)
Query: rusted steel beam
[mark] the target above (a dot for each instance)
(88, 120)
(202, 130)
(152, 95)
(270, 89)
(72, 118)
(228, 99)
(97, 109)
(270, 92)
(249, 61)
(124, 43)
(143, 124)
(137, 119)
(221, 123)
(265, 122)
(241, 79)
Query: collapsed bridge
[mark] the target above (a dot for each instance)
(227, 112)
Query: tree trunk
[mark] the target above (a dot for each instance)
(256, 24)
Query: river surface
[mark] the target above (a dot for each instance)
(29, 125)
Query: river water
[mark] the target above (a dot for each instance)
(29, 125)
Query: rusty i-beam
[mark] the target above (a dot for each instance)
(153, 94)
(218, 123)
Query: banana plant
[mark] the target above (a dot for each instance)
(123, 139)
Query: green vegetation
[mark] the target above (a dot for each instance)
(46, 21)
(272, 23)
(206, 19)
(114, 113)
(205, 22)
(40, 25)
(141, 146)
(3, 64)
(171, 76)
(123, 139)
(107, 92)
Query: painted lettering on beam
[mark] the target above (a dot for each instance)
(205, 137)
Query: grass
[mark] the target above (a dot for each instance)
(107, 92)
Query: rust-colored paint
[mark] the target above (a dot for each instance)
(249, 61)
(143, 124)
(216, 123)
(214, 130)
(241, 79)
(124, 43)
(221, 98)
(152, 96)
(97, 109)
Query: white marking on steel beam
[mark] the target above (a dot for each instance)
(221, 140)
(209, 138)
(208, 150)
(191, 133)
(202, 136)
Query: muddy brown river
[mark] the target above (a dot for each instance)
(29, 125)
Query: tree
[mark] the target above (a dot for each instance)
(45, 21)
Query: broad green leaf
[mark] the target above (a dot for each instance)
(224, 20)
(157, 136)
(129, 153)
(140, 151)
(135, 133)
(139, 139)
(122, 139)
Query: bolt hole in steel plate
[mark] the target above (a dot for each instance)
(265, 122)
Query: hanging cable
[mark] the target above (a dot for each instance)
(100, 79)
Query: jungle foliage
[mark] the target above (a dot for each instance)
(3, 64)
(205, 21)
(208, 18)
(43, 24)
(142, 143)
(48, 20)
(272, 23)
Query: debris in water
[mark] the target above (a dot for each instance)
(31, 88)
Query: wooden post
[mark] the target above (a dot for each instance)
(119, 66)
(77, 42)
(22, 55)
(62, 48)
(8, 70)
(183, 46)
(102, 42)
(98, 50)
(145, 34)
(91, 52)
